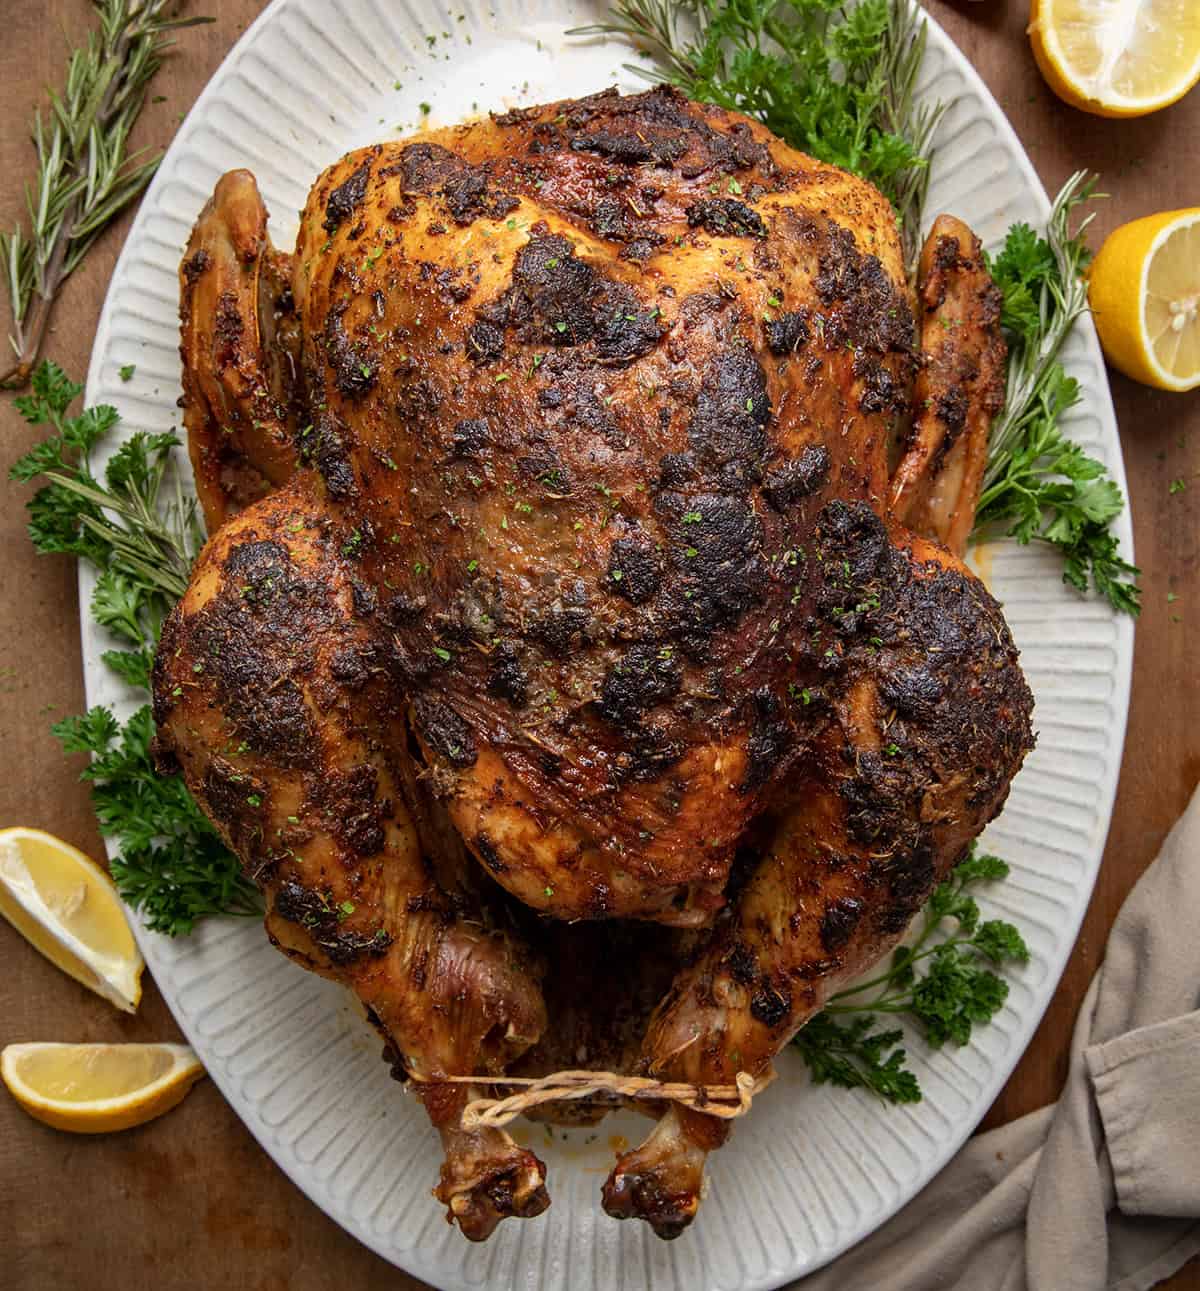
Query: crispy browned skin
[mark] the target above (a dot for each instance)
(581, 578)
(272, 694)
(610, 438)
(917, 718)
(959, 389)
(240, 349)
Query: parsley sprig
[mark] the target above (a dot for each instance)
(945, 985)
(836, 81)
(136, 528)
(1040, 485)
(172, 866)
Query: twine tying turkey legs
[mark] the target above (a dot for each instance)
(722, 1101)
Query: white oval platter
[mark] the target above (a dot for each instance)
(812, 1171)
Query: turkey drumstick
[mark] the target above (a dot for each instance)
(914, 720)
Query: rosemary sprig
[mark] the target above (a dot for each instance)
(85, 175)
(904, 116)
(837, 82)
(1043, 298)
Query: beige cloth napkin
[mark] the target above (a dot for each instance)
(1100, 1192)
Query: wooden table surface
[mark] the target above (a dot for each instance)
(191, 1200)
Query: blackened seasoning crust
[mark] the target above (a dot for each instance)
(346, 198)
(485, 343)
(471, 435)
(635, 569)
(725, 216)
(445, 731)
(838, 923)
(468, 196)
(786, 333)
(507, 677)
(784, 485)
(733, 410)
(558, 299)
(316, 912)
(769, 1005)
(636, 683)
(354, 368)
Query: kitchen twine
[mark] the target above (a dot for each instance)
(723, 1101)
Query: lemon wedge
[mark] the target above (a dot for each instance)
(1117, 58)
(67, 907)
(1144, 290)
(94, 1088)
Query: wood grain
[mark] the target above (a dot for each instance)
(192, 1201)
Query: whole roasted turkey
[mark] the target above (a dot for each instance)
(585, 525)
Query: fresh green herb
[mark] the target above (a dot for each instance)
(837, 82)
(172, 866)
(126, 372)
(86, 176)
(1177, 486)
(854, 1055)
(1039, 484)
(141, 543)
(945, 986)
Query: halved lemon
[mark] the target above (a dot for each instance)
(1117, 58)
(1144, 290)
(94, 1088)
(66, 905)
